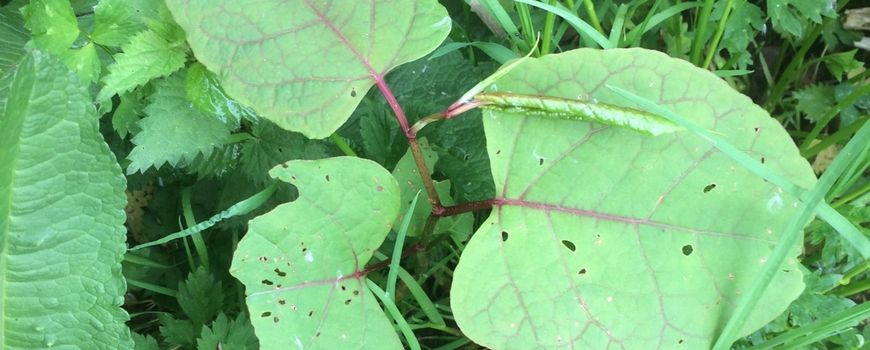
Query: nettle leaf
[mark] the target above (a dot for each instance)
(302, 262)
(52, 24)
(145, 57)
(269, 54)
(84, 61)
(271, 146)
(200, 296)
(603, 237)
(815, 100)
(116, 21)
(61, 215)
(789, 17)
(228, 334)
(174, 131)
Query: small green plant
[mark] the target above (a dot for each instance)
(372, 179)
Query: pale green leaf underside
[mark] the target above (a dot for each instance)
(173, 130)
(579, 108)
(606, 238)
(306, 64)
(301, 263)
(61, 216)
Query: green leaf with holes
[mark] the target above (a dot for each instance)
(604, 237)
(61, 215)
(302, 263)
(270, 54)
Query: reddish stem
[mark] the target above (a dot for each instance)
(412, 141)
(470, 206)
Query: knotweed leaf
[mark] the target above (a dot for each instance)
(270, 54)
(602, 237)
(302, 262)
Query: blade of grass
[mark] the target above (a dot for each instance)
(726, 73)
(456, 344)
(240, 208)
(835, 138)
(143, 261)
(790, 237)
(849, 197)
(632, 38)
(190, 220)
(426, 304)
(388, 303)
(720, 30)
(398, 248)
(342, 144)
(618, 22)
(549, 22)
(701, 32)
(819, 330)
(833, 112)
(825, 211)
(528, 27)
(635, 34)
(578, 24)
(495, 51)
(152, 287)
(504, 19)
(593, 17)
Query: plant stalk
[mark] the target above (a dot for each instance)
(411, 135)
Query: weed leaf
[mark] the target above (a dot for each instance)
(603, 238)
(302, 263)
(270, 55)
(61, 215)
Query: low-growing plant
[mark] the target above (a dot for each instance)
(589, 193)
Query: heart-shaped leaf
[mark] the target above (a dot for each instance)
(306, 64)
(603, 237)
(302, 262)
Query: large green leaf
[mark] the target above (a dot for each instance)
(302, 263)
(174, 131)
(605, 237)
(13, 36)
(61, 215)
(306, 64)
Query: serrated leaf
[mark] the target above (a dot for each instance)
(814, 101)
(200, 296)
(127, 114)
(61, 215)
(744, 23)
(789, 17)
(841, 63)
(116, 21)
(173, 131)
(582, 211)
(271, 146)
(145, 57)
(84, 61)
(275, 63)
(302, 262)
(226, 334)
(145, 342)
(13, 36)
(177, 332)
(52, 24)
